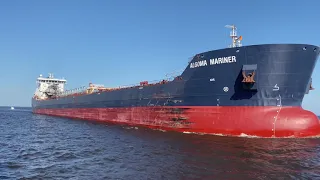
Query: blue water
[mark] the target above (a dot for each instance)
(42, 147)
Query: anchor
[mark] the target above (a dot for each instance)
(249, 78)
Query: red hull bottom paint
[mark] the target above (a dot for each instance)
(258, 121)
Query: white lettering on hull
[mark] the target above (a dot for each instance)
(214, 61)
(198, 64)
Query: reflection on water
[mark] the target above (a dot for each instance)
(42, 147)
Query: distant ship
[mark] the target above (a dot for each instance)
(12, 108)
(254, 90)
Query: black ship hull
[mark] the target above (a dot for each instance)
(213, 95)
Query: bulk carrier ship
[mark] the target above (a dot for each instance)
(254, 90)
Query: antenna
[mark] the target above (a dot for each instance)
(236, 41)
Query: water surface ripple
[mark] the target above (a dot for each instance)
(43, 147)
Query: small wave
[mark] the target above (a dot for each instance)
(5, 177)
(130, 127)
(14, 165)
(67, 156)
(248, 136)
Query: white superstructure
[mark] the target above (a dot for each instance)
(49, 86)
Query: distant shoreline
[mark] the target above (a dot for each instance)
(19, 107)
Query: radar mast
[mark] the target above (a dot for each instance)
(236, 41)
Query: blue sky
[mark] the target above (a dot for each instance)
(123, 42)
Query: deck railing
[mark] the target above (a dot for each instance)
(100, 88)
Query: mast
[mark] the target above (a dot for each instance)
(236, 41)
